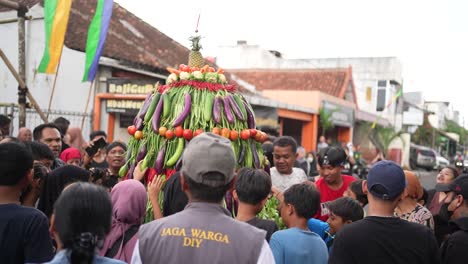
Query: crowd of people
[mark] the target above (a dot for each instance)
(62, 201)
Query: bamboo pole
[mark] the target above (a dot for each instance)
(87, 103)
(23, 86)
(10, 4)
(22, 65)
(55, 82)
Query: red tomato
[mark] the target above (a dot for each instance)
(162, 131)
(169, 134)
(216, 131)
(150, 173)
(194, 69)
(131, 130)
(179, 131)
(253, 133)
(225, 132)
(185, 68)
(234, 135)
(245, 134)
(211, 69)
(181, 67)
(264, 137)
(188, 135)
(258, 136)
(138, 135)
(198, 132)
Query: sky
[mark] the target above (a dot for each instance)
(429, 37)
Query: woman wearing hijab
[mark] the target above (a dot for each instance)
(55, 182)
(81, 219)
(128, 209)
(71, 156)
(408, 207)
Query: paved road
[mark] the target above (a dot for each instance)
(427, 178)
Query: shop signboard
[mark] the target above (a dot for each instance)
(341, 115)
(123, 86)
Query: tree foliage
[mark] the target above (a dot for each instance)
(326, 120)
(452, 127)
(382, 137)
(424, 134)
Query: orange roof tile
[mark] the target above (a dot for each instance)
(330, 81)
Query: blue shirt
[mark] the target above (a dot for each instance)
(295, 245)
(62, 257)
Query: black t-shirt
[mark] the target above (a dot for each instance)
(268, 225)
(384, 240)
(175, 199)
(455, 249)
(100, 165)
(24, 235)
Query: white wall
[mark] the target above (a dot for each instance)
(366, 72)
(441, 112)
(70, 92)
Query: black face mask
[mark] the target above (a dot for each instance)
(444, 212)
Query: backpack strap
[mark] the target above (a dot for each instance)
(125, 237)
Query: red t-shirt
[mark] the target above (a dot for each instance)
(328, 195)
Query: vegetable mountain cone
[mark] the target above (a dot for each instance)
(195, 99)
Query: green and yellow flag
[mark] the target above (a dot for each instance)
(394, 98)
(56, 14)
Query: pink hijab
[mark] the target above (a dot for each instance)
(128, 208)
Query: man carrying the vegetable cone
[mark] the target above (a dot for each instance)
(204, 232)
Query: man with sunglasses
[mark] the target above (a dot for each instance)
(454, 249)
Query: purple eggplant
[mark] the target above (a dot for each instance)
(235, 108)
(157, 116)
(250, 116)
(159, 163)
(255, 155)
(141, 155)
(131, 170)
(139, 123)
(217, 110)
(227, 110)
(187, 106)
(241, 158)
(266, 168)
(129, 155)
(145, 106)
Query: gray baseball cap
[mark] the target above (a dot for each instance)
(209, 160)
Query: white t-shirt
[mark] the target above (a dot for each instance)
(284, 181)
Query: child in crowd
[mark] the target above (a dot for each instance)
(298, 244)
(71, 156)
(251, 192)
(356, 192)
(343, 211)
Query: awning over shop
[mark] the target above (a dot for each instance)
(266, 110)
(449, 136)
(369, 117)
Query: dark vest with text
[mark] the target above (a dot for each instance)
(201, 233)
